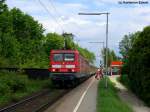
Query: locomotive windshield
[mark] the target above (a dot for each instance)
(58, 57)
(69, 57)
(64, 57)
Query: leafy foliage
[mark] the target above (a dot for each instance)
(111, 56)
(3, 6)
(14, 86)
(53, 41)
(137, 64)
(12, 83)
(124, 80)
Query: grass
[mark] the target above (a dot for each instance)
(108, 100)
(14, 86)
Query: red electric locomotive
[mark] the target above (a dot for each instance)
(68, 66)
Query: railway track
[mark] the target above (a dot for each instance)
(36, 103)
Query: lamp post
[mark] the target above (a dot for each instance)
(106, 53)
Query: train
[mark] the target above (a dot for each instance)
(69, 67)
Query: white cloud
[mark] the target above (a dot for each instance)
(75, 5)
(77, 21)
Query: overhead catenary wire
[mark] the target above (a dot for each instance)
(46, 9)
(57, 12)
(60, 15)
(52, 4)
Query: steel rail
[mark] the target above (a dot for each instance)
(49, 103)
(13, 106)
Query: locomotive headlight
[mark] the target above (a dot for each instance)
(56, 66)
(70, 66)
(53, 70)
(72, 70)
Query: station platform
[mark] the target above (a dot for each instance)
(80, 99)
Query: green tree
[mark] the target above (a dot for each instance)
(126, 43)
(3, 6)
(9, 47)
(111, 56)
(125, 46)
(28, 33)
(53, 41)
(68, 41)
(137, 64)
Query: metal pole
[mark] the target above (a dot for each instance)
(106, 49)
(103, 55)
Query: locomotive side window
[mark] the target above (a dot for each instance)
(58, 57)
(69, 57)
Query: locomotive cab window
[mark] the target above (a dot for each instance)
(58, 57)
(69, 57)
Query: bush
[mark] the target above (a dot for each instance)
(139, 67)
(125, 80)
(4, 89)
(14, 86)
(13, 82)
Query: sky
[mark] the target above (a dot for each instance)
(62, 16)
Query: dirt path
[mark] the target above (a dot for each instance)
(129, 97)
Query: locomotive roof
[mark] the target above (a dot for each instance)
(64, 51)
